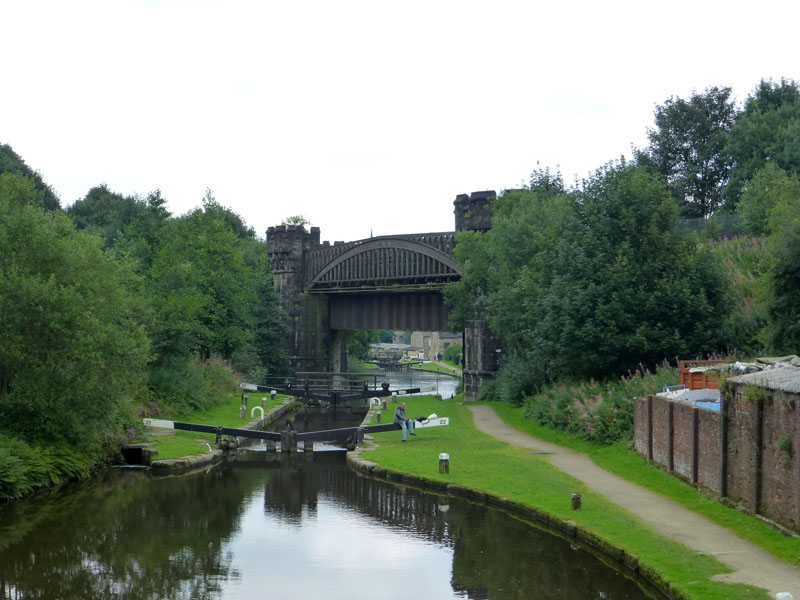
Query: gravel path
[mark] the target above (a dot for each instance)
(750, 564)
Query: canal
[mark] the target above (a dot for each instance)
(267, 525)
(429, 382)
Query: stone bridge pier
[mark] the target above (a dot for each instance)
(388, 282)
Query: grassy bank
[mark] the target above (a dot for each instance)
(483, 463)
(178, 444)
(437, 368)
(622, 461)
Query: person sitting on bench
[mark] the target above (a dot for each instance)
(405, 423)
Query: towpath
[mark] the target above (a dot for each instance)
(749, 563)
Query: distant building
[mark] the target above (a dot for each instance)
(394, 351)
(434, 342)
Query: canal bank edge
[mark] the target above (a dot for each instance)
(611, 554)
(186, 463)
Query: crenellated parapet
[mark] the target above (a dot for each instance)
(473, 211)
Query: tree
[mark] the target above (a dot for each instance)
(143, 235)
(769, 187)
(297, 220)
(237, 224)
(360, 342)
(73, 352)
(11, 162)
(688, 148)
(768, 130)
(201, 288)
(105, 212)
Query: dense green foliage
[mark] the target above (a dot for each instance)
(360, 342)
(11, 162)
(116, 307)
(209, 291)
(72, 350)
(601, 411)
(588, 282)
(766, 131)
(107, 213)
(453, 353)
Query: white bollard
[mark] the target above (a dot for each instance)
(444, 463)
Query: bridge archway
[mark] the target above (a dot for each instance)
(388, 262)
(391, 282)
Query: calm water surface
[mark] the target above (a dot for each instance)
(286, 527)
(429, 382)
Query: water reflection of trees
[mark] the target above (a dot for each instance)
(494, 555)
(125, 537)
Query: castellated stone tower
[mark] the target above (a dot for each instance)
(473, 211)
(288, 248)
(482, 351)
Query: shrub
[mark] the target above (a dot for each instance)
(24, 468)
(598, 411)
(184, 386)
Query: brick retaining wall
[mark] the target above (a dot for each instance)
(748, 452)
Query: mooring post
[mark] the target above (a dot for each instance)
(378, 416)
(576, 501)
(273, 394)
(444, 463)
(308, 445)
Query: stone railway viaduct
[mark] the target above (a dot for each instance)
(387, 282)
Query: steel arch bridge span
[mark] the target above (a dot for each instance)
(389, 263)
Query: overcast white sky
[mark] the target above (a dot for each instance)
(363, 116)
